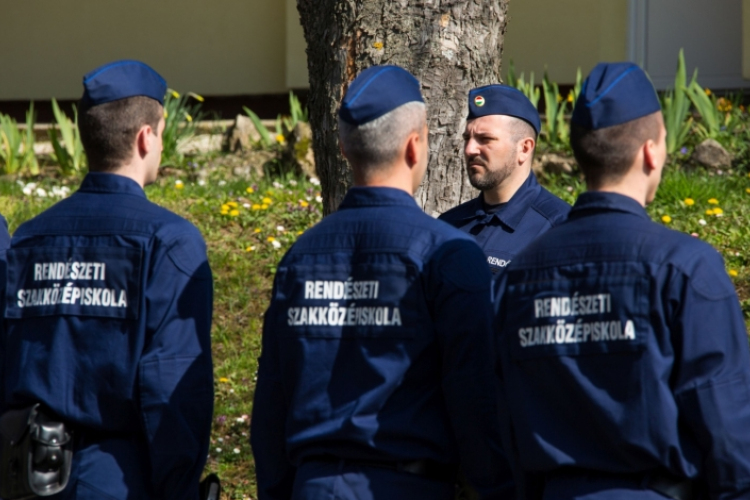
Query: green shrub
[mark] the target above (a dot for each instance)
(180, 117)
(67, 146)
(16, 147)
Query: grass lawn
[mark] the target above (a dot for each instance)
(249, 224)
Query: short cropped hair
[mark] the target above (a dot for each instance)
(108, 130)
(605, 155)
(376, 143)
(520, 130)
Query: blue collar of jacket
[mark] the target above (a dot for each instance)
(377, 197)
(599, 201)
(101, 182)
(511, 214)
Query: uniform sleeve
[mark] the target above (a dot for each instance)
(462, 314)
(4, 246)
(712, 375)
(175, 371)
(274, 472)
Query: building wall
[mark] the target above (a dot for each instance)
(564, 35)
(296, 56)
(216, 47)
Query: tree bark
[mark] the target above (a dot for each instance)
(451, 46)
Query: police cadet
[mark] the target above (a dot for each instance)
(109, 308)
(373, 382)
(512, 208)
(623, 348)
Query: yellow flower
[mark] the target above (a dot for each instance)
(713, 201)
(299, 232)
(234, 213)
(197, 97)
(708, 91)
(270, 239)
(255, 206)
(689, 202)
(179, 184)
(250, 249)
(250, 190)
(264, 207)
(747, 190)
(175, 94)
(232, 204)
(166, 115)
(280, 138)
(257, 230)
(570, 97)
(305, 204)
(223, 380)
(267, 201)
(559, 98)
(718, 211)
(724, 105)
(710, 211)
(188, 117)
(733, 273)
(666, 219)
(378, 45)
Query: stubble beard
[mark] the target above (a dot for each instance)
(490, 179)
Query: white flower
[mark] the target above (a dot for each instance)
(222, 183)
(29, 188)
(319, 199)
(277, 185)
(292, 182)
(276, 244)
(280, 229)
(315, 180)
(240, 420)
(702, 222)
(60, 192)
(246, 205)
(41, 193)
(178, 183)
(218, 450)
(236, 451)
(221, 440)
(308, 198)
(202, 182)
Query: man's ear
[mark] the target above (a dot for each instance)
(525, 149)
(411, 153)
(649, 156)
(143, 140)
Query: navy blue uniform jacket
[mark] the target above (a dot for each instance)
(108, 320)
(377, 346)
(623, 349)
(531, 211)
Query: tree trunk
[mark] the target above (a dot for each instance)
(451, 46)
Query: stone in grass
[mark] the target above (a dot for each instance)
(298, 151)
(241, 135)
(553, 164)
(711, 154)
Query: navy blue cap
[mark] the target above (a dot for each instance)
(121, 79)
(613, 94)
(503, 100)
(377, 91)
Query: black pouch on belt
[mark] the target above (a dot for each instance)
(36, 454)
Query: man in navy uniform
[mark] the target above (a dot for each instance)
(373, 382)
(512, 208)
(109, 306)
(622, 344)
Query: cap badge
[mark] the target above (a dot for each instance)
(479, 101)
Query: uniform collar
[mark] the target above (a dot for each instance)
(101, 182)
(514, 210)
(376, 197)
(601, 201)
